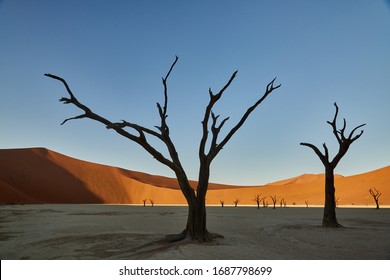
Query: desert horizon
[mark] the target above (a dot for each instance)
(39, 175)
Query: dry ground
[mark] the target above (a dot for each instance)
(133, 232)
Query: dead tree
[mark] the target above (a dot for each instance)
(209, 147)
(144, 201)
(307, 203)
(258, 199)
(236, 202)
(151, 202)
(274, 200)
(222, 202)
(375, 194)
(329, 218)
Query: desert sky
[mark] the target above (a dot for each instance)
(113, 55)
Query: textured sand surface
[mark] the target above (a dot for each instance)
(133, 232)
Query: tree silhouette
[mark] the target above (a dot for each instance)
(151, 202)
(144, 201)
(209, 147)
(329, 218)
(258, 199)
(274, 200)
(307, 203)
(375, 194)
(222, 202)
(236, 202)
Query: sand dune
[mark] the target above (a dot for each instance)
(39, 175)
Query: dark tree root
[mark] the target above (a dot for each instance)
(332, 225)
(185, 235)
(175, 237)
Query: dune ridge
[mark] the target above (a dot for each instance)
(39, 175)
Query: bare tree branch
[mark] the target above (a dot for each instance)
(213, 99)
(74, 118)
(218, 147)
(163, 110)
(174, 163)
(316, 150)
(333, 124)
(350, 137)
(344, 142)
(326, 152)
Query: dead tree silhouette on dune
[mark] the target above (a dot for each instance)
(283, 203)
(329, 218)
(258, 199)
(209, 147)
(222, 202)
(375, 194)
(274, 200)
(236, 202)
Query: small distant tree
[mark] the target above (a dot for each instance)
(258, 199)
(337, 201)
(236, 202)
(222, 202)
(329, 218)
(274, 200)
(307, 203)
(144, 201)
(375, 194)
(151, 202)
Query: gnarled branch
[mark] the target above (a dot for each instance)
(344, 142)
(213, 99)
(216, 147)
(214, 150)
(163, 110)
(322, 157)
(140, 139)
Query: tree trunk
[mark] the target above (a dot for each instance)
(196, 228)
(329, 219)
(377, 203)
(196, 222)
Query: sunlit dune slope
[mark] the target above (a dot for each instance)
(38, 175)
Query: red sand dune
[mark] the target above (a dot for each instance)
(39, 175)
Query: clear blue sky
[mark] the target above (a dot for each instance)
(114, 53)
